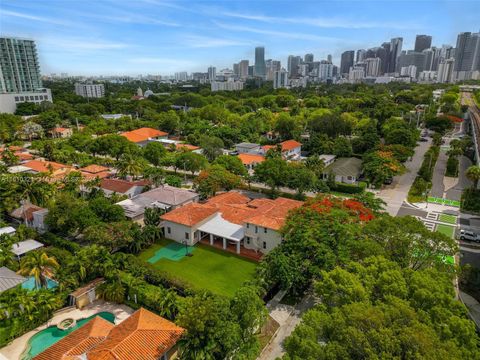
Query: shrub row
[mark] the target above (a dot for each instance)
(452, 166)
(349, 188)
(425, 174)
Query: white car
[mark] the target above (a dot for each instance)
(469, 236)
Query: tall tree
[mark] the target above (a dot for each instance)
(39, 265)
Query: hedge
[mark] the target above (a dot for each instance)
(349, 188)
(425, 174)
(452, 166)
(53, 240)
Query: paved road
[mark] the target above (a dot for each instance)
(438, 173)
(396, 193)
(455, 193)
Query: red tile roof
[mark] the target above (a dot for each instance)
(78, 342)
(25, 212)
(143, 134)
(121, 186)
(60, 130)
(248, 159)
(189, 214)
(24, 156)
(45, 166)
(94, 169)
(11, 148)
(186, 147)
(286, 145)
(273, 215)
(143, 335)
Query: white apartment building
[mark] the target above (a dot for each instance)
(9, 101)
(90, 90)
(226, 85)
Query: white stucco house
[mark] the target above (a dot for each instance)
(345, 170)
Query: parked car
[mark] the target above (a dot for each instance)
(422, 139)
(388, 181)
(469, 236)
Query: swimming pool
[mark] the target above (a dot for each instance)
(49, 336)
(29, 284)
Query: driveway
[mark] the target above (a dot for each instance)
(395, 194)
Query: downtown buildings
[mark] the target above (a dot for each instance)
(20, 79)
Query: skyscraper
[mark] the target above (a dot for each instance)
(260, 68)
(372, 66)
(395, 51)
(346, 61)
(308, 58)
(280, 79)
(212, 73)
(20, 79)
(243, 65)
(467, 55)
(292, 66)
(360, 55)
(20, 69)
(422, 42)
(445, 70)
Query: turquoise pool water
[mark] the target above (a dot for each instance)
(173, 251)
(29, 284)
(49, 336)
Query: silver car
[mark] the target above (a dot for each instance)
(469, 236)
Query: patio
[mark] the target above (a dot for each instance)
(236, 248)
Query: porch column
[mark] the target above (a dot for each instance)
(238, 247)
(224, 243)
(211, 239)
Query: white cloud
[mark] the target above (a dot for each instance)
(80, 44)
(8, 13)
(195, 41)
(160, 61)
(330, 22)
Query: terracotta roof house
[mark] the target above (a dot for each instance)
(57, 170)
(95, 171)
(61, 132)
(144, 135)
(164, 197)
(142, 336)
(233, 219)
(188, 147)
(251, 160)
(31, 215)
(291, 149)
(123, 187)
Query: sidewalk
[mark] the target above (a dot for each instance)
(473, 306)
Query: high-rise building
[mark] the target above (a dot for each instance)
(236, 69)
(280, 79)
(346, 61)
(20, 79)
(356, 74)
(308, 58)
(395, 51)
(445, 70)
(467, 56)
(373, 66)
(20, 69)
(272, 66)
(325, 71)
(292, 66)
(360, 55)
(329, 58)
(410, 71)
(260, 68)
(385, 56)
(90, 90)
(417, 59)
(422, 42)
(212, 73)
(243, 69)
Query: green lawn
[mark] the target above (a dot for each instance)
(450, 219)
(446, 230)
(218, 271)
(441, 201)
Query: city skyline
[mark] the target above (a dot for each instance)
(156, 37)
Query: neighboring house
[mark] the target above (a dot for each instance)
(188, 147)
(9, 279)
(327, 159)
(86, 294)
(56, 170)
(144, 135)
(233, 219)
(164, 197)
(248, 148)
(61, 132)
(346, 170)
(114, 116)
(122, 187)
(143, 335)
(8, 230)
(251, 160)
(31, 215)
(22, 154)
(93, 171)
(22, 247)
(291, 149)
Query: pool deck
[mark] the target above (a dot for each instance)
(14, 350)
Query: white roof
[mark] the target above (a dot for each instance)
(7, 230)
(22, 247)
(18, 169)
(327, 158)
(218, 226)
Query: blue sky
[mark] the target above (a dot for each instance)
(91, 37)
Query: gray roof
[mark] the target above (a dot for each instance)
(165, 196)
(9, 279)
(345, 167)
(247, 145)
(22, 247)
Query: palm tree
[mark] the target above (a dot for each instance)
(38, 264)
(130, 165)
(473, 174)
(112, 290)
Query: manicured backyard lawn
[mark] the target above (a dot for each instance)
(209, 268)
(446, 230)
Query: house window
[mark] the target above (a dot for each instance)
(265, 230)
(187, 235)
(248, 226)
(349, 177)
(248, 240)
(264, 244)
(169, 230)
(256, 229)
